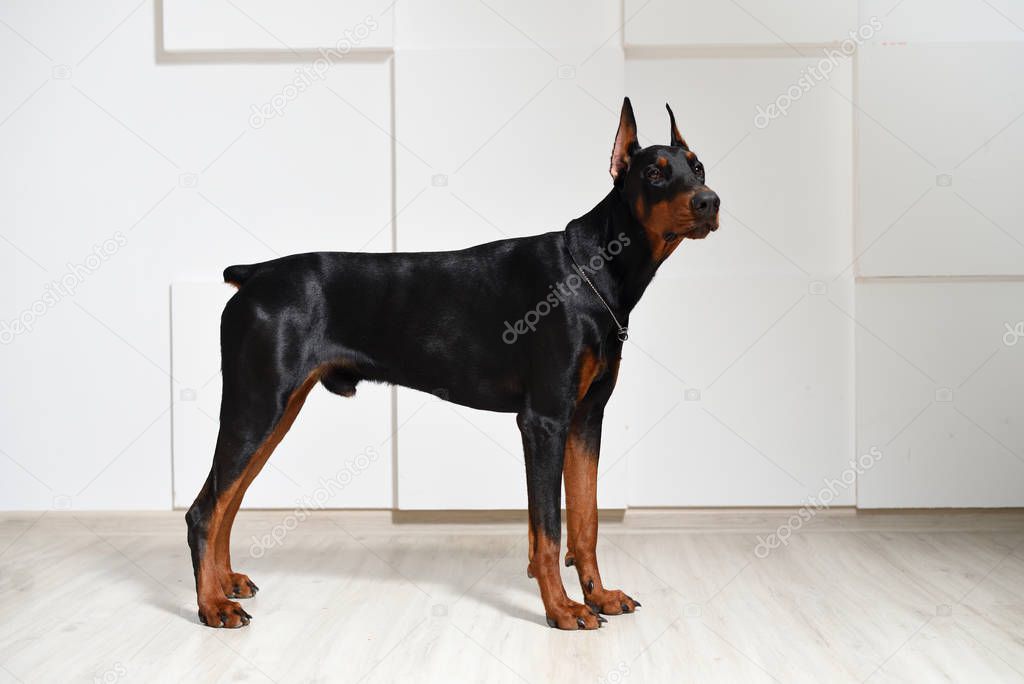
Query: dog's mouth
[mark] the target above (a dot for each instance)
(701, 230)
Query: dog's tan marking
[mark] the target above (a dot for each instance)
(559, 609)
(675, 216)
(591, 368)
(580, 473)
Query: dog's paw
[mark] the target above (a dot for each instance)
(610, 602)
(223, 613)
(572, 615)
(237, 585)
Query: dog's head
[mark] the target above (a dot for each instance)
(663, 186)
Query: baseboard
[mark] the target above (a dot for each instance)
(483, 517)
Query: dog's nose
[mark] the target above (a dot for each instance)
(705, 204)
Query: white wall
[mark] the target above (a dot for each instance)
(737, 386)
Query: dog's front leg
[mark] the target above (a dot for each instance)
(543, 446)
(581, 456)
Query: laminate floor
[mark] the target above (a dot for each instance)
(353, 596)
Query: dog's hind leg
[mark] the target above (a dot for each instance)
(239, 457)
(260, 401)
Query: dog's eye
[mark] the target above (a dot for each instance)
(654, 174)
(698, 169)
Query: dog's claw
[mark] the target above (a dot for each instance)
(528, 573)
(223, 613)
(551, 622)
(637, 603)
(569, 561)
(239, 586)
(601, 619)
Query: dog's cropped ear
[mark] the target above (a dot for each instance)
(677, 140)
(625, 141)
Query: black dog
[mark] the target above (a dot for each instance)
(532, 326)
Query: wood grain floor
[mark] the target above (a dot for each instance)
(349, 597)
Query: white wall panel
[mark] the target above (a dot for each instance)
(166, 156)
(529, 154)
(735, 391)
(737, 384)
(337, 454)
(217, 25)
(452, 457)
(786, 187)
(935, 142)
(945, 21)
(557, 27)
(938, 393)
(464, 171)
(304, 197)
(689, 22)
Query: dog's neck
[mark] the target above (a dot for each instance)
(621, 278)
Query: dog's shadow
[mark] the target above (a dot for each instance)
(444, 569)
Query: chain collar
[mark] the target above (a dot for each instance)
(623, 331)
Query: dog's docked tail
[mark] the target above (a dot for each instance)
(237, 275)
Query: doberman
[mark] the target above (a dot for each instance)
(532, 326)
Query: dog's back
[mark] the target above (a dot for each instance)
(398, 317)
